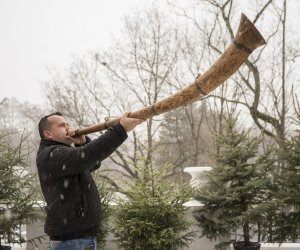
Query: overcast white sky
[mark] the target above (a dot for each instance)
(35, 34)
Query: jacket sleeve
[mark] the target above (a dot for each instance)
(65, 160)
(88, 140)
(98, 163)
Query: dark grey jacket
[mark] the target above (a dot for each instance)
(73, 202)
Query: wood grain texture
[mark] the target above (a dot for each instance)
(247, 36)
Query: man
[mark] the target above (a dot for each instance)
(73, 202)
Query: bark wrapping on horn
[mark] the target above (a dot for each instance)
(246, 40)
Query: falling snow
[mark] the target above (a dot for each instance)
(66, 184)
(65, 221)
(7, 214)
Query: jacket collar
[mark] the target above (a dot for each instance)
(47, 143)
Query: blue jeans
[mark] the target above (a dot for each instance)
(88, 243)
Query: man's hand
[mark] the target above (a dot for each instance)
(129, 123)
(80, 140)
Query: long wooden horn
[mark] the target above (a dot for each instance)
(247, 39)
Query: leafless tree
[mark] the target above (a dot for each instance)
(151, 55)
(133, 73)
(19, 119)
(262, 86)
(186, 139)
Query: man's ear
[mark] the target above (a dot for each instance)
(47, 134)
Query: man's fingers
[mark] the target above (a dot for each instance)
(139, 121)
(129, 123)
(126, 114)
(71, 132)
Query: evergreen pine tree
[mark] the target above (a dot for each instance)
(153, 215)
(237, 187)
(287, 218)
(16, 195)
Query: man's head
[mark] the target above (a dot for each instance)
(54, 127)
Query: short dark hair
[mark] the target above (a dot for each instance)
(45, 123)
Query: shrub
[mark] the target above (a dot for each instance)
(153, 216)
(16, 196)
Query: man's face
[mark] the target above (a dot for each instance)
(58, 129)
